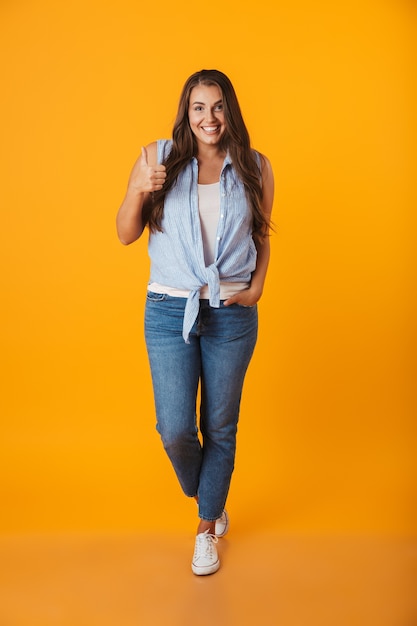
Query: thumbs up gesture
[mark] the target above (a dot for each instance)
(147, 175)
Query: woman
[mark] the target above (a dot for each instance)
(206, 197)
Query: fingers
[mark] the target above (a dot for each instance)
(244, 298)
(157, 177)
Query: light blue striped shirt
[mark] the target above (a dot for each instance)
(177, 255)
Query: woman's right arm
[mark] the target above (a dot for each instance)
(146, 176)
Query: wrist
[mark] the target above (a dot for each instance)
(256, 290)
(133, 191)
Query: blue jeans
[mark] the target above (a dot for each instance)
(221, 345)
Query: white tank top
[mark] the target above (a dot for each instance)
(209, 210)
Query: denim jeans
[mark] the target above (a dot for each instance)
(221, 345)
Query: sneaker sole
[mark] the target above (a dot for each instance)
(205, 571)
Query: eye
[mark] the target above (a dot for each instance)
(219, 107)
(198, 108)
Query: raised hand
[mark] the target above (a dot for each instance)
(145, 177)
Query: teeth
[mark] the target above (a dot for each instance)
(210, 129)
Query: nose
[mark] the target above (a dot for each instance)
(210, 115)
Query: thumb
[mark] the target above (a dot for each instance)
(144, 156)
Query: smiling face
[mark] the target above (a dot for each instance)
(205, 114)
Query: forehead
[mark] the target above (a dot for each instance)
(205, 93)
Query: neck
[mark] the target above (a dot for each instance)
(205, 153)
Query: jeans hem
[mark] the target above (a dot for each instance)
(209, 519)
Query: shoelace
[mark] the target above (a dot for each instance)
(204, 544)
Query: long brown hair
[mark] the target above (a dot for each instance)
(235, 140)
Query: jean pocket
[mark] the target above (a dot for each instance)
(246, 306)
(151, 296)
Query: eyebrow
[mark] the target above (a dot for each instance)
(218, 102)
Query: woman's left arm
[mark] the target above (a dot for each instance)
(250, 296)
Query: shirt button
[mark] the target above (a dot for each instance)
(222, 216)
(223, 195)
(218, 238)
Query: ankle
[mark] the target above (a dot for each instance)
(206, 525)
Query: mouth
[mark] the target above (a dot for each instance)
(210, 130)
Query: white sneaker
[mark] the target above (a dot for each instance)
(222, 525)
(205, 559)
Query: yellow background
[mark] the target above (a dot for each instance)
(327, 432)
